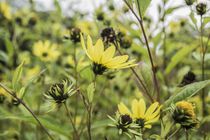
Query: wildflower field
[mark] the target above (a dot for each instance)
(104, 70)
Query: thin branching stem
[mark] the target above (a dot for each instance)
(27, 108)
(139, 19)
(136, 75)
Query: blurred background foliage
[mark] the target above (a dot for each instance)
(25, 28)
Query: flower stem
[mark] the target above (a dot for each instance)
(186, 135)
(76, 135)
(147, 45)
(202, 66)
(27, 108)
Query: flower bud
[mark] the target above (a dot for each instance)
(189, 2)
(108, 35)
(75, 34)
(201, 8)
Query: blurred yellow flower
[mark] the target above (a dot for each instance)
(87, 27)
(31, 73)
(46, 51)
(174, 26)
(5, 10)
(104, 59)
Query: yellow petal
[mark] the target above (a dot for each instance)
(153, 120)
(83, 46)
(148, 126)
(155, 114)
(135, 109)
(123, 109)
(142, 105)
(116, 61)
(98, 50)
(90, 49)
(108, 54)
(151, 109)
(127, 64)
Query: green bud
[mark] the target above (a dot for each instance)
(201, 8)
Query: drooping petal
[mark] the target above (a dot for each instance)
(90, 50)
(84, 47)
(151, 109)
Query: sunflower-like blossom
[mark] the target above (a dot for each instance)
(104, 59)
(140, 115)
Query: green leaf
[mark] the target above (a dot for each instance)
(143, 4)
(9, 47)
(147, 77)
(90, 92)
(17, 75)
(58, 7)
(48, 122)
(21, 92)
(187, 92)
(179, 56)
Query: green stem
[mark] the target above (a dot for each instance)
(27, 108)
(202, 66)
(186, 135)
(72, 122)
(147, 45)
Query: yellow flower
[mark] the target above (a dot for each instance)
(145, 117)
(46, 51)
(187, 107)
(184, 114)
(5, 10)
(104, 59)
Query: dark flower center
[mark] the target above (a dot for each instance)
(140, 122)
(45, 54)
(126, 119)
(99, 69)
